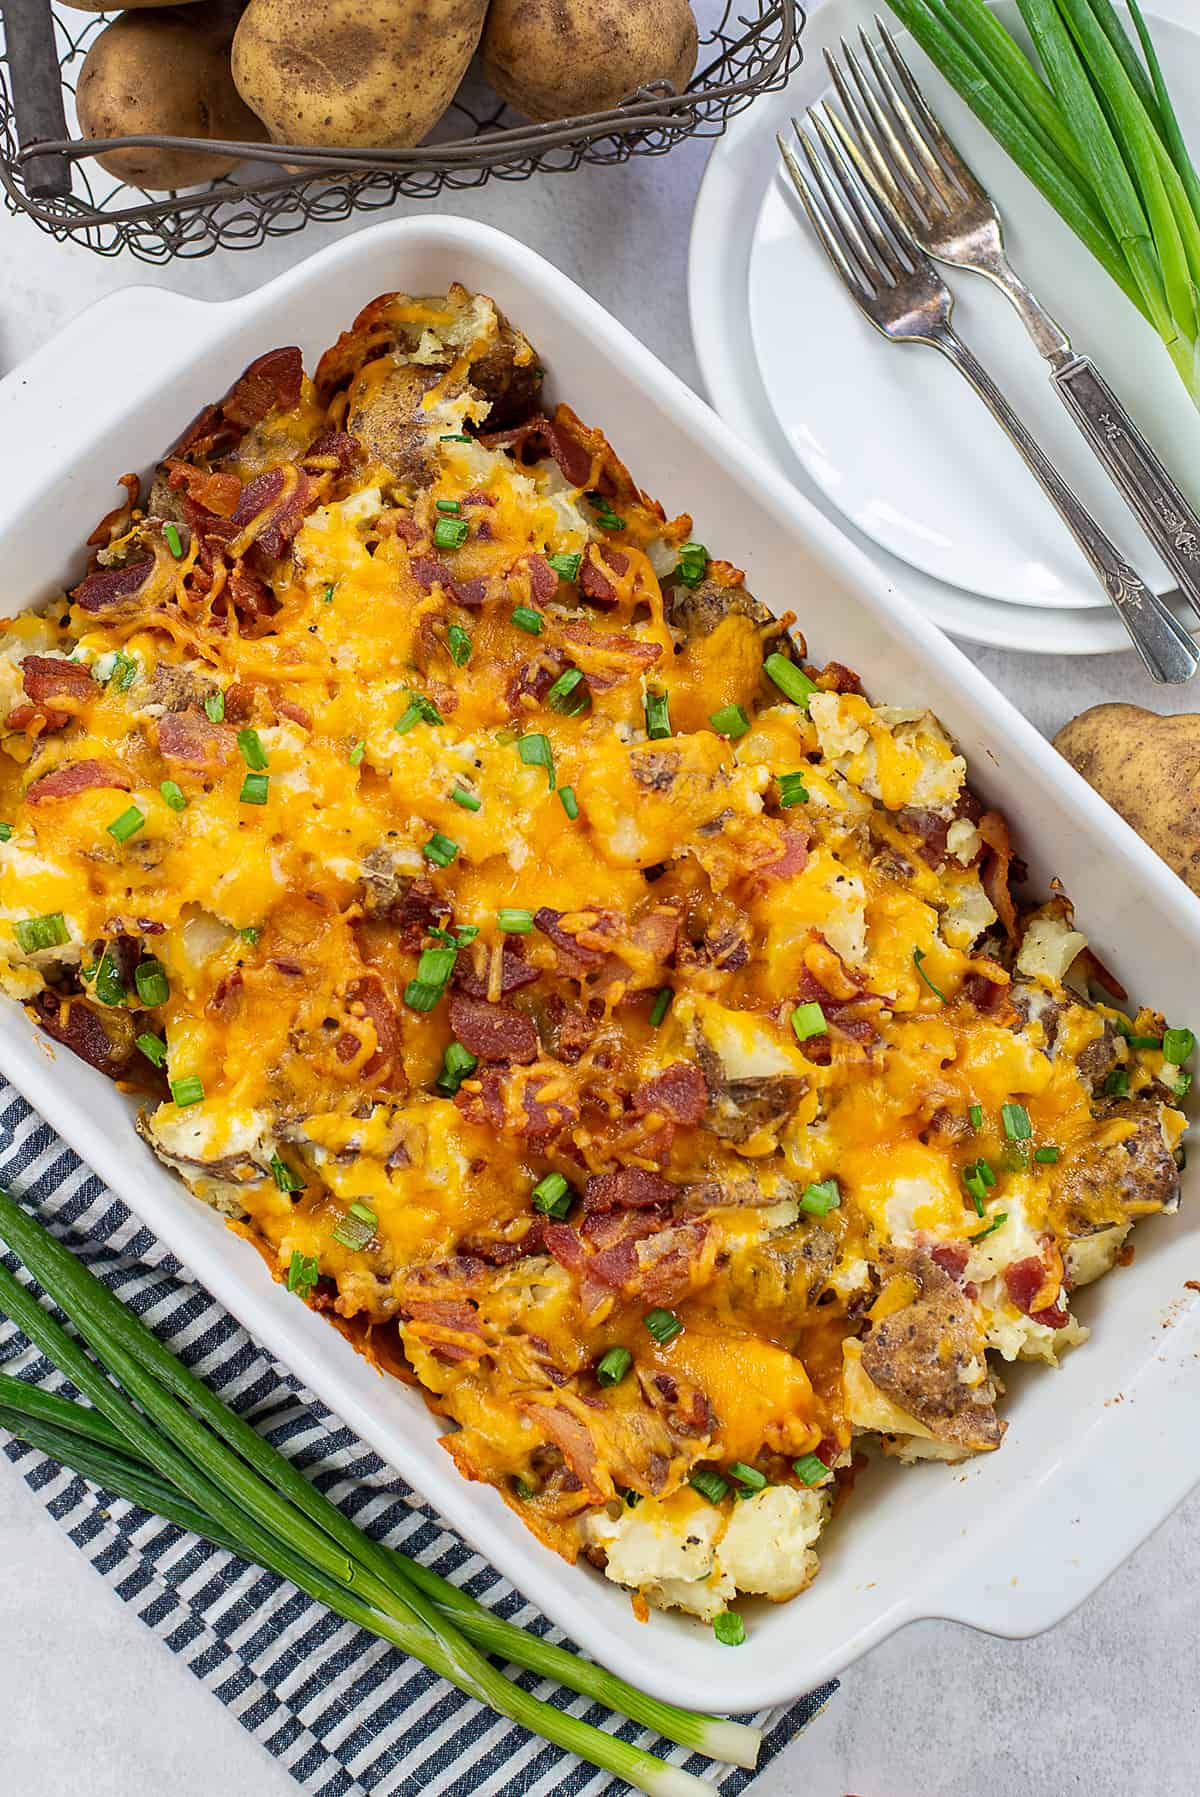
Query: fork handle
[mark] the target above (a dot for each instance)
(1167, 651)
(1163, 511)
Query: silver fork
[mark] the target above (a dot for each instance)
(924, 181)
(897, 287)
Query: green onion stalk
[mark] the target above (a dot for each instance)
(1090, 122)
(152, 1432)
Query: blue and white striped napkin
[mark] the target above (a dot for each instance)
(345, 1714)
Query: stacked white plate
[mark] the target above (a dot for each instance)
(889, 440)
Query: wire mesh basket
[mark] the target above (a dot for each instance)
(51, 176)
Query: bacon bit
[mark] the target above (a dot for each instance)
(540, 437)
(104, 589)
(1024, 1280)
(533, 678)
(226, 999)
(543, 581)
(594, 582)
(577, 958)
(76, 777)
(368, 991)
(428, 572)
(791, 861)
(571, 1437)
(613, 645)
(271, 511)
(680, 1093)
(216, 493)
(191, 737)
(629, 1188)
(485, 1101)
(47, 677)
(493, 1032)
(931, 829)
(296, 713)
(997, 869)
(114, 524)
(271, 380)
(991, 998)
(102, 1038)
(515, 972)
(333, 452)
(835, 677)
(442, 1324)
(951, 1257)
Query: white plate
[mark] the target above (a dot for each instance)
(1009, 1543)
(896, 438)
(741, 169)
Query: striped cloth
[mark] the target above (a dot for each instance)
(346, 1715)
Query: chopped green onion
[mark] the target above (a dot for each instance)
(918, 956)
(154, 1049)
(450, 533)
(563, 696)
(123, 673)
(356, 1228)
(150, 978)
(992, 1225)
(729, 1628)
(661, 1005)
(613, 1366)
(451, 507)
(528, 620)
(357, 752)
(570, 803)
(792, 790)
(34, 933)
(454, 437)
(457, 1063)
(513, 921)
(819, 1200)
(174, 543)
(440, 850)
(108, 986)
(709, 1484)
(1117, 1083)
(606, 518)
(810, 1469)
(418, 710)
(663, 1325)
(255, 788)
(524, 1490)
(173, 795)
(469, 801)
(809, 1020)
(1177, 1046)
(975, 1114)
(792, 681)
(329, 592)
(748, 1476)
(6, 831)
(692, 564)
(1047, 1155)
(658, 715)
(552, 1196)
(730, 721)
(1182, 1085)
(566, 566)
(188, 1090)
(1144, 1041)
(433, 976)
(284, 1178)
(535, 751)
(978, 1179)
(127, 825)
(253, 753)
(303, 1272)
(214, 706)
(1015, 1119)
(632, 1498)
(250, 934)
(459, 643)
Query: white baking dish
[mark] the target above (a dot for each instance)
(1096, 1454)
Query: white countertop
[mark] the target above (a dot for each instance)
(1104, 1706)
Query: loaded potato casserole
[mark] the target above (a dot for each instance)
(618, 1024)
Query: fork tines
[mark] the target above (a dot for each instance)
(865, 246)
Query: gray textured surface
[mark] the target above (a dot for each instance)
(1104, 1705)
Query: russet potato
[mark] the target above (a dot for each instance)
(130, 5)
(555, 59)
(353, 72)
(165, 72)
(1148, 768)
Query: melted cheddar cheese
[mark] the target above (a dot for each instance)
(627, 1029)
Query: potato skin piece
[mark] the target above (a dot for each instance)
(1148, 768)
(354, 72)
(165, 72)
(556, 59)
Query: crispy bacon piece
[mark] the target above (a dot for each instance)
(629, 1188)
(99, 1035)
(442, 1323)
(105, 589)
(191, 737)
(272, 381)
(543, 581)
(271, 525)
(575, 1444)
(369, 992)
(226, 999)
(47, 677)
(428, 572)
(114, 524)
(540, 437)
(333, 452)
(1023, 1280)
(76, 777)
(991, 998)
(594, 582)
(636, 655)
(996, 871)
(576, 958)
(792, 860)
(951, 1257)
(483, 1101)
(215, 492)
(931, 829)
(629, 1252)
(679, 1093)
(515, 971)
(493, 1032)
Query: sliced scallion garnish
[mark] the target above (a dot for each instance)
(535, 751)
